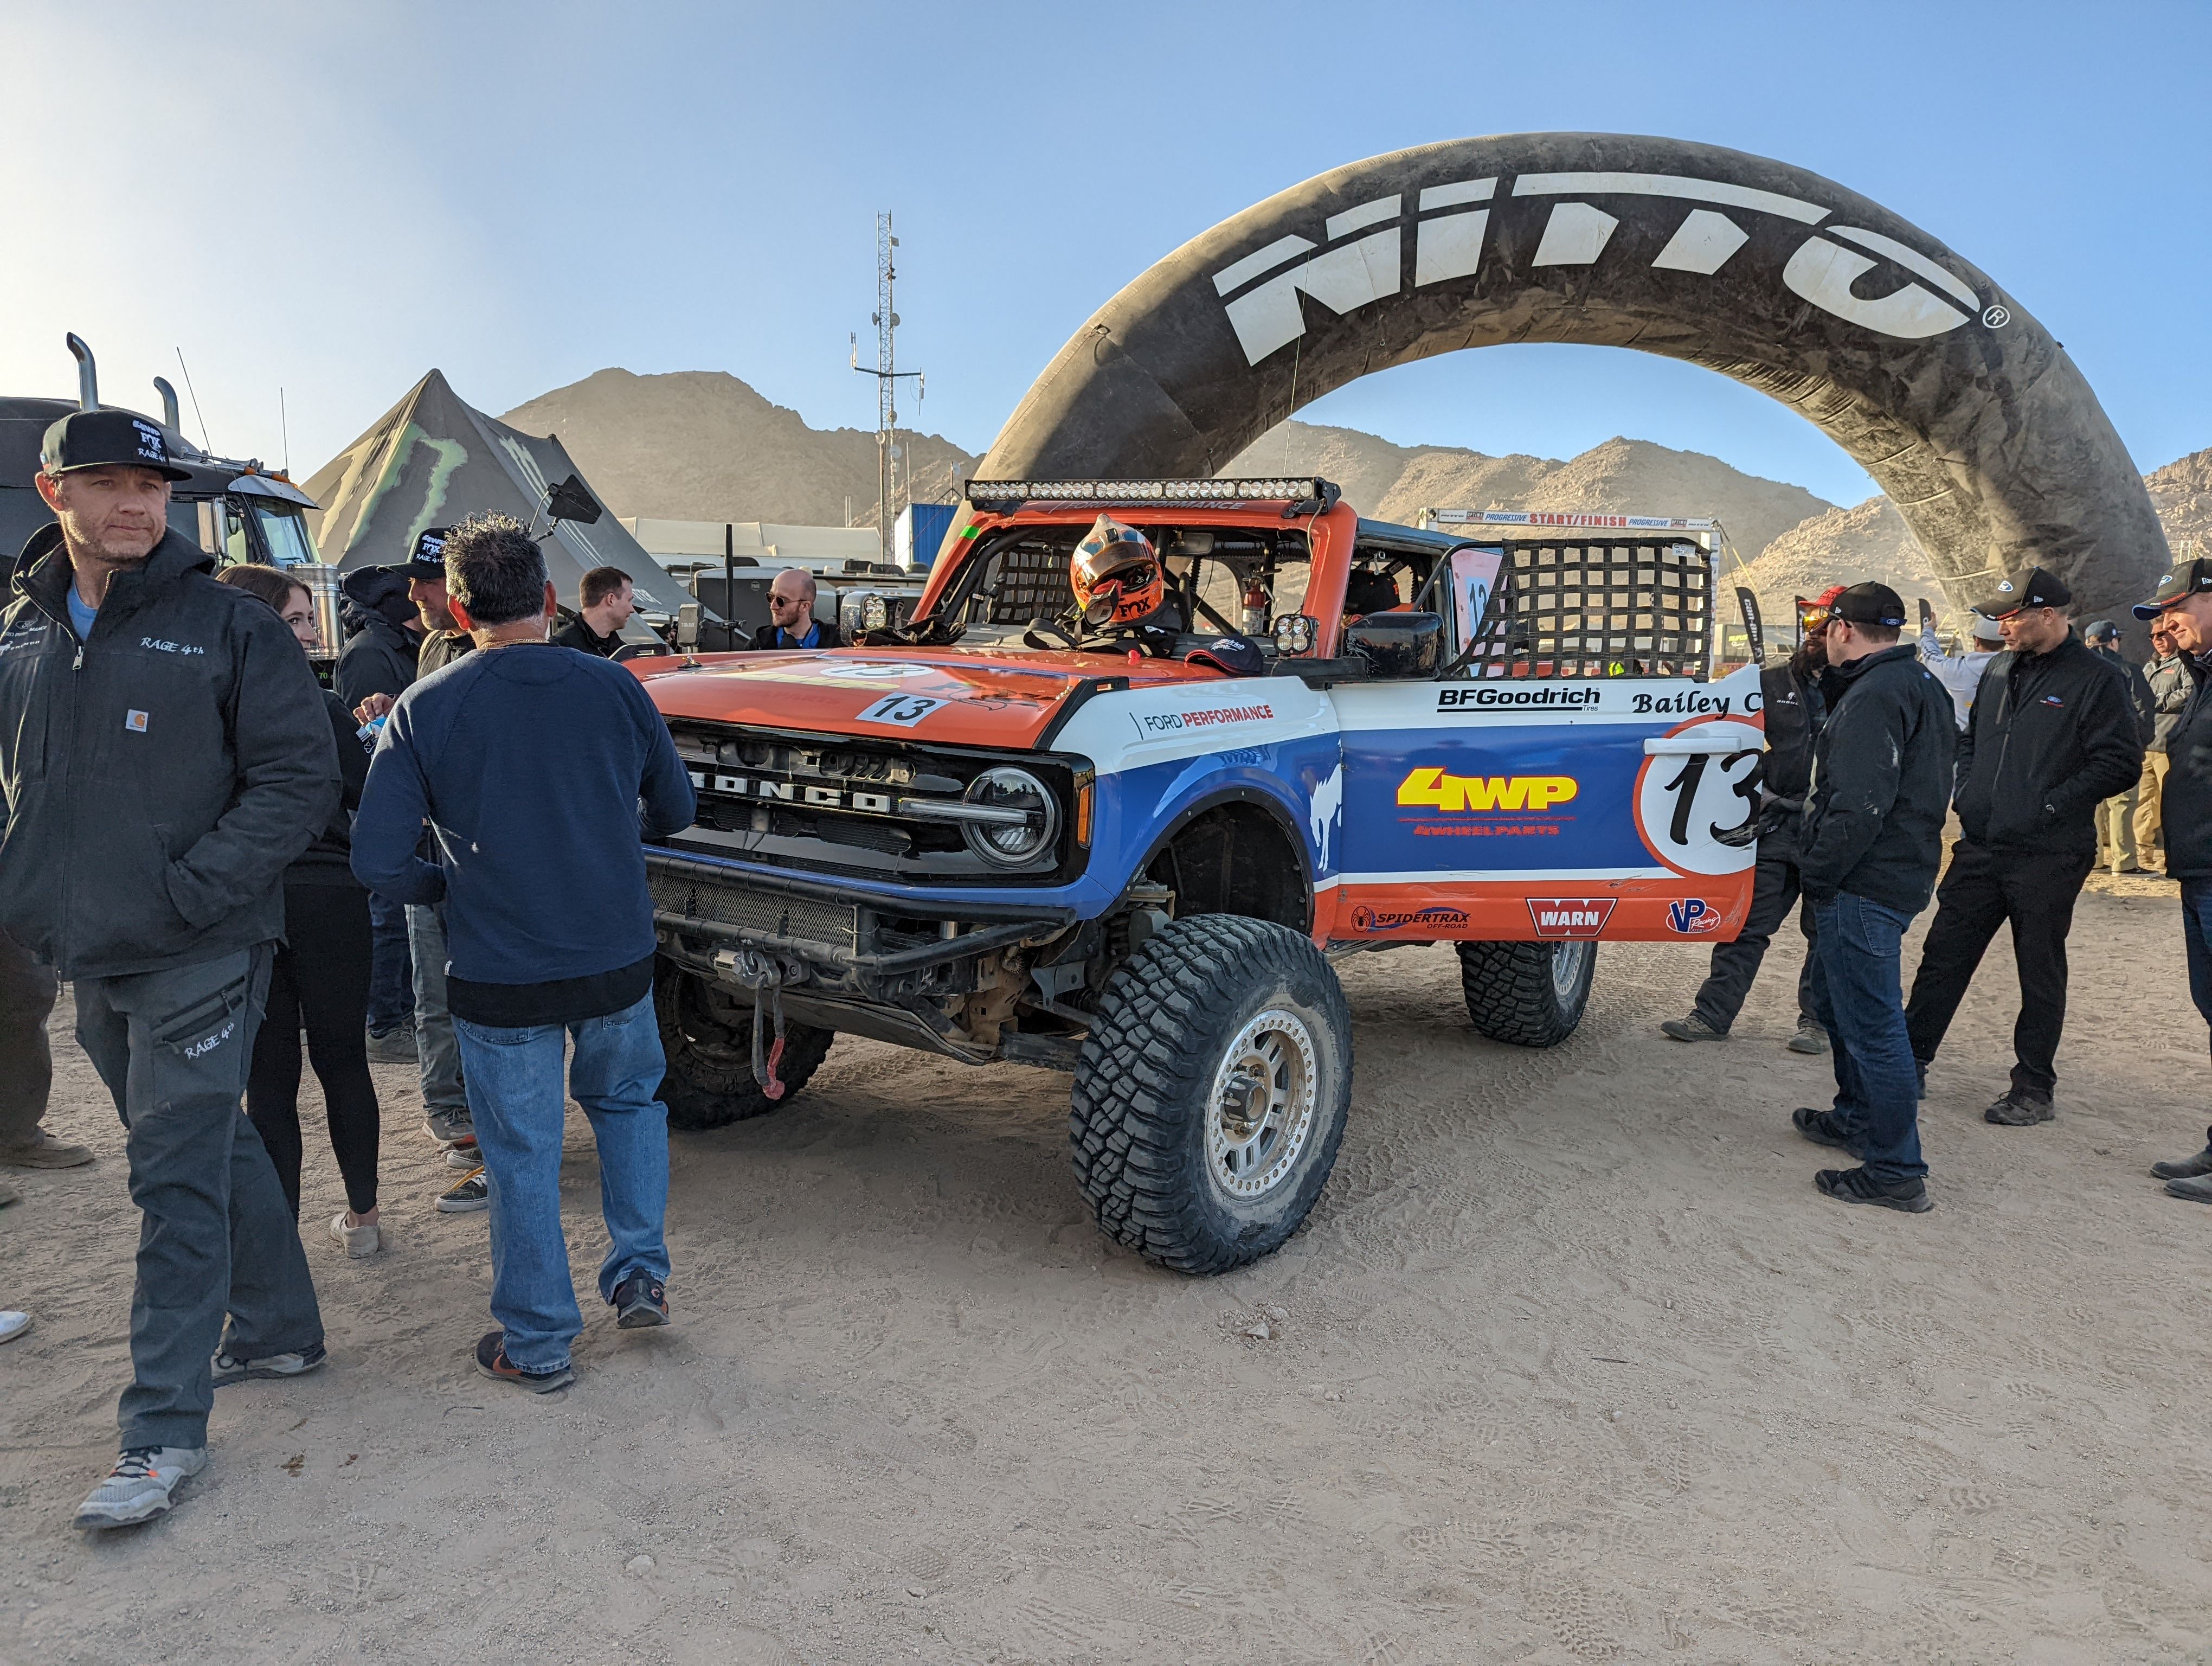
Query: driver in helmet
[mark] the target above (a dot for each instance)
(1119, 585)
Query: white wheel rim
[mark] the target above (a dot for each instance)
(1261, 1111)
(1568, 960)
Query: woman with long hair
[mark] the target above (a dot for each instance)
(320, 980)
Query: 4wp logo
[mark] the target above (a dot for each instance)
(1435, 789)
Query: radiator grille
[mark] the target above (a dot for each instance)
(769, 912)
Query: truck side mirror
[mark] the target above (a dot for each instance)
(687, 627)
(1398, 644)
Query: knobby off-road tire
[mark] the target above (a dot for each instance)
(709, 1084)
(1211, 1095)
(1531, 994)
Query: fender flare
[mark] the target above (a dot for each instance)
(1278, 810)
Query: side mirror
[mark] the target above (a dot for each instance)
(1294, 634)
(687, 627)
(1399, 646)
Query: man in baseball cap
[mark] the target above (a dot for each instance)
(2182, 603)
(106, 439)
(2051, 735)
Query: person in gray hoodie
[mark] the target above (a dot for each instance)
(164, 757)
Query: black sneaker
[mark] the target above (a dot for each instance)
(639, 1301)
(230, 1368)
(465, 1197)
(2190, 1168)
(2019, 1108)
(1857, 1186)
(2198, 1190)
(492, 1361)
(1822, 1128)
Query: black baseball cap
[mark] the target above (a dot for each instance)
(106, 439)
(1869, 604)
(2186, 579)
(429, 559)
(2033, 589)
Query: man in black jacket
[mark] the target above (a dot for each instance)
(1872, 840)
(379, 659)
(2053, 734)
(2182, 603)
(1794, 710)
(164, 755)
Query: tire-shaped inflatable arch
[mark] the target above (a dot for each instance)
(1948, 392)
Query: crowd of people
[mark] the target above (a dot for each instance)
(439, 859)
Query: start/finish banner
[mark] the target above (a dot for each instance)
(1541, 518)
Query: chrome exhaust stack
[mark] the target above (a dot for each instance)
(87, 374)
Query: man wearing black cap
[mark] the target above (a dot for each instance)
(1872, 840)
(164, 756)
(2182, 604)
(2053, 734)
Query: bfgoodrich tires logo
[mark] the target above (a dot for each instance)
(1361, 257)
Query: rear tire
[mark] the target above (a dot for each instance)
(1532, 994)
(708, 1044)
(1211, 1095)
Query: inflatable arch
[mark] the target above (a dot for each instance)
(1948, 392)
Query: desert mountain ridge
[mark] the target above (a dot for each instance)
(702, 444)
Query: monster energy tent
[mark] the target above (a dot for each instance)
(432, 460)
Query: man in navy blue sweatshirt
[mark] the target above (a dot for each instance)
(529, 762)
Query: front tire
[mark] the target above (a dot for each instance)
(1211, 1095)
(708, 1042)
(1532, 994)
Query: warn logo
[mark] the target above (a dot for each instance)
(1570, 916)
(1433, 789)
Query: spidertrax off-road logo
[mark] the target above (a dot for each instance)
(1361, 258)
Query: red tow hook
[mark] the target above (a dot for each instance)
(771, 1084)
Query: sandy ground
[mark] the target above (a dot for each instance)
(1576, 1366)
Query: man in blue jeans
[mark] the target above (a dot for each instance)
(530, 763)
(1872, 841)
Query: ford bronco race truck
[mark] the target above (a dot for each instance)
(985, 834)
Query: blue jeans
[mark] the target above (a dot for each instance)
(515, 1097)
(391, 996)
(1859, 1000)
(2197, 935)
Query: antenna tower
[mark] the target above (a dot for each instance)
(888, 376)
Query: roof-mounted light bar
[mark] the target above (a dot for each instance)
(1295, 489)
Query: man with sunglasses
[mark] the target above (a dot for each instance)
(791, 620)
(2053, 735)
(1794, 710)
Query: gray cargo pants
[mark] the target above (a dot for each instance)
(437, 1050)
(215, 1234)
(27, 1068)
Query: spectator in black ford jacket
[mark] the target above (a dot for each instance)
(2182, 603)
(164, 757)
(2054, 733)
(2167, 676)
(1794, 710)
(1873, 838)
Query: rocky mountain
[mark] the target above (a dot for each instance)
(1621, 476)
(700, 444)
(2182, 493)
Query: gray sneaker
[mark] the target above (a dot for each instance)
(1809, 1038)
(395, 1046)
(1692, 1029)
(448, 1125)
(141, 1486)
(230, 1368)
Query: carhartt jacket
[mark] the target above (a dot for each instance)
(157, 777)
(1881, 783)
(2053, 734)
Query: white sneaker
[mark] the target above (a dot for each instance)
(13, 1325)
(464, 1158)
(143, 1485)
(361, 1242)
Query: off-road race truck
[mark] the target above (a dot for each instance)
(987, 836)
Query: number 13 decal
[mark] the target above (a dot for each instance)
(1685, 800)
(901, 711)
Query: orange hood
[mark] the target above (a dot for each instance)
(961, 697)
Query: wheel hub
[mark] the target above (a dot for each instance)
(1261, 1110)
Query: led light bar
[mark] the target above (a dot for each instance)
(1298, 489)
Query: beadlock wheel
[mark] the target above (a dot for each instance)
(1264, 1095)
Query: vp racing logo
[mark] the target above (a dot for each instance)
(1692, 917)
(1361, 258)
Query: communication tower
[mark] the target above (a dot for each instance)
(888, 376)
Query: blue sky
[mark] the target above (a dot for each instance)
(331, 199)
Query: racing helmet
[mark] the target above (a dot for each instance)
(1115, 575)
